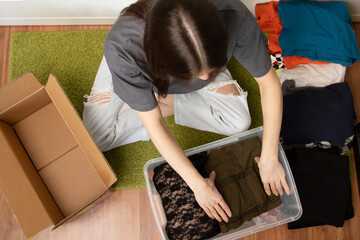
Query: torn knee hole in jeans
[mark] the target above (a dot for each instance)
(99, 96)
(225, 88)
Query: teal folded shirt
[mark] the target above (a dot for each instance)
(319, 31)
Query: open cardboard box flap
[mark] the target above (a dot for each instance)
(29, 195)
(85, 141)
(19, 89)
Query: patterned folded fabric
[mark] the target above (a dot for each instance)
(185, 218)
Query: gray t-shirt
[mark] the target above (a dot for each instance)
(127, 61)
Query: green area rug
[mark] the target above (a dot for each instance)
(74, 57)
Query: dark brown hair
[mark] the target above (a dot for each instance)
(138, 9)
(182, 38)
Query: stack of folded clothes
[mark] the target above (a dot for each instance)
(237, 179)
(316, 129)
(311, 44)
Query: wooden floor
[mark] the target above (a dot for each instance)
(126, 214)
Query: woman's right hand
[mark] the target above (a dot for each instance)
(205, 191)
(209, 199)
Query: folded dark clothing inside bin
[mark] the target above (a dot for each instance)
(323, 183)
(185, 218)
(238, 180)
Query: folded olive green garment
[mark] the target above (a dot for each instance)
(238, 180)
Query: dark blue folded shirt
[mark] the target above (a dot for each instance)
(318, 114)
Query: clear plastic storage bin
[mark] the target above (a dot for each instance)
(290, 209)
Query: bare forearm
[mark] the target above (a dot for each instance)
(206, 194)
(271, 101)
(168, 147)
(271, 171)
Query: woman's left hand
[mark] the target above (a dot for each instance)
(272, 175)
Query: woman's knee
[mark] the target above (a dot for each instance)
(241, 122)
(235, 113)
(100, 115)
(244, 122)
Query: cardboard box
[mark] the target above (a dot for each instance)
(50, 168)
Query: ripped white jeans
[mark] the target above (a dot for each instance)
(208, 110)
(112, 123)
